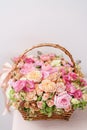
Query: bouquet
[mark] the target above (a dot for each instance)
(44, 86)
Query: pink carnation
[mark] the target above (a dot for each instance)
(62, 101)
(23, 85)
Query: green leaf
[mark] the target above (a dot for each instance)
(39, 98)
(44, 105)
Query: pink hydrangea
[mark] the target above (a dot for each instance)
(78, 94)
(62, 101)
(23, 85)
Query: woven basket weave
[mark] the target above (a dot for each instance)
(39, 116)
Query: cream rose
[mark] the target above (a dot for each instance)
(47, 86)
(35, 76)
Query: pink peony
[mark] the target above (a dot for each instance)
(27, 68)
(23, 85)
(78, 94)
(62, 101)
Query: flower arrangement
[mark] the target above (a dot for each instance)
(45, 84)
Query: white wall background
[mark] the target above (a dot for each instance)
(24, 23)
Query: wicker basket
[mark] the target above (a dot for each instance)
(21, 107)
(65, 115)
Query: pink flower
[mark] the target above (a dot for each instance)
(45, 57)
(45, 74)
(39, 104)
(78, 94)
(83, 82)
(23, 85)
(27, 68)
(62, 101)
(49, 69)
(50, 103)
(71, 76)
(70, 89)
(16, 59)
(29, 60)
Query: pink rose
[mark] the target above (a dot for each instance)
(70, 89)
(62, 101)
(27, 68)
(71, 76)
(78, 94)
(23, 85)
(83, 82)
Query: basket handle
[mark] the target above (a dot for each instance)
(54, 46)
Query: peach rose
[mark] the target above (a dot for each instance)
(31, 96)
(45, 96)
(60, 87)
(50, 103)
(47, 86)
(38, 90)
(40, 104)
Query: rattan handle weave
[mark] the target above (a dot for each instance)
(54, 46)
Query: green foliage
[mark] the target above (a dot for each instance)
(47, 110)
(39, 98)
(80, 105)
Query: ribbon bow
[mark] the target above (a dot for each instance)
(4, 77)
